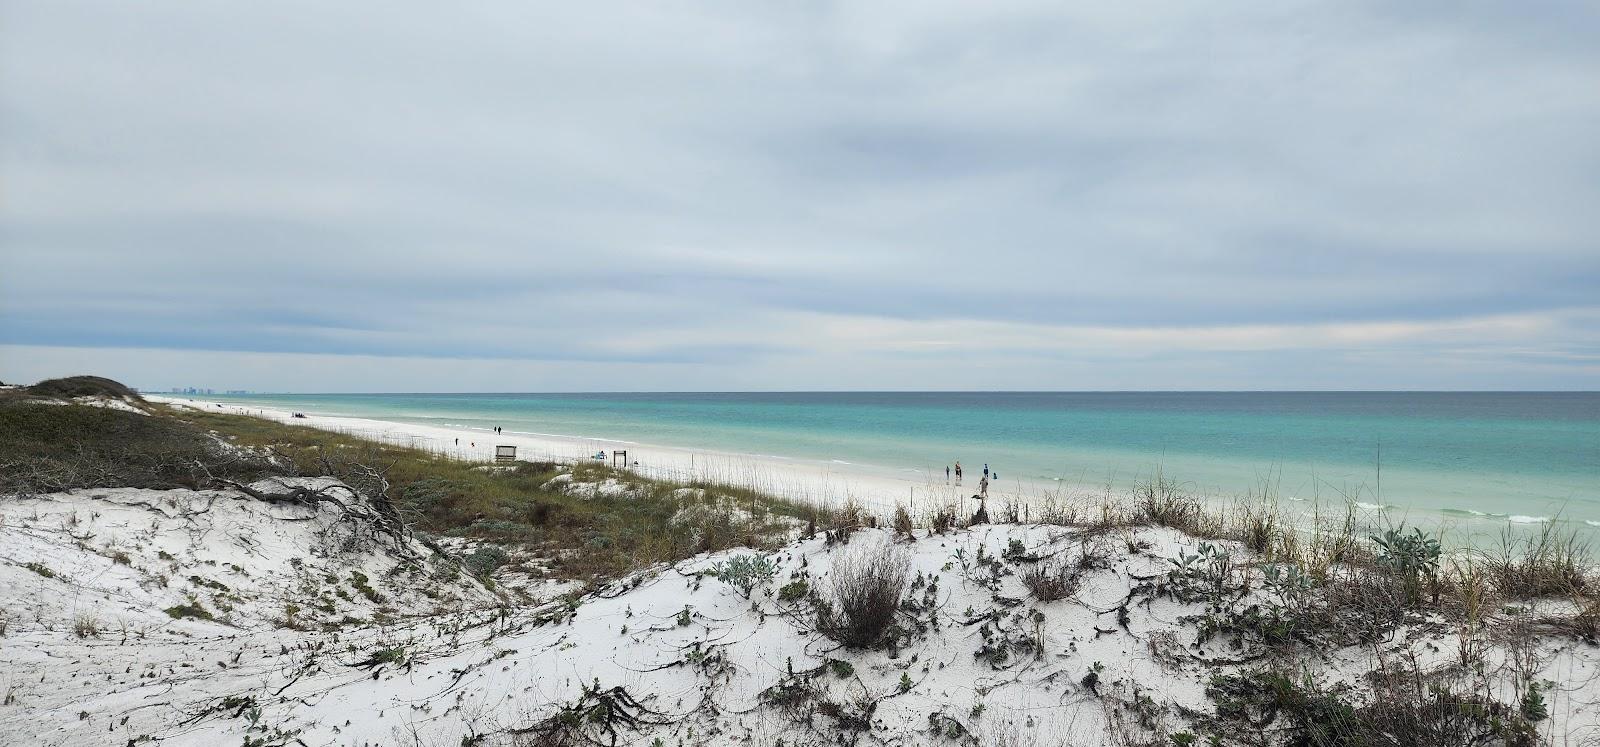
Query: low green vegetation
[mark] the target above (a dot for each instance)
(746, 572)
(46, 446)
(49, 446)
(81, 386)
(1409, 706)
(584, 537)
(190, 610)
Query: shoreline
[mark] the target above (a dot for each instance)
(877, 489)
(823, 484)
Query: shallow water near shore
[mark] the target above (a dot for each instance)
(1480, 461)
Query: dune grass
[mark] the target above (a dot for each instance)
(586, 537)
(49, 445)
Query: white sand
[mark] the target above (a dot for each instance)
(90, 656)
(824, 483)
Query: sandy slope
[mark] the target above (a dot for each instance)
(88, 577)
(435, 660)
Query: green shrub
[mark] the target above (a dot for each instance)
(746, 572)
(190, 610)
(1411, 557)
(360, 581)
(794, 591)
(485, 559)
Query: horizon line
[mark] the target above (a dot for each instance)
(915, 391)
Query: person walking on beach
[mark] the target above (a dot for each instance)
(947, 473)
(986, 470)
(458, 442)
(983, 487)
(958, 472)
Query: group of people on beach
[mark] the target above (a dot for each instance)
(983, 483)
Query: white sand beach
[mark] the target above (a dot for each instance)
(823, 483)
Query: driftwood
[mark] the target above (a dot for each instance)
(377, 514)
(598, 714)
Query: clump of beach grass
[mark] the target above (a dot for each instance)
(1549, 562)
(1053, 579)
(863, 592)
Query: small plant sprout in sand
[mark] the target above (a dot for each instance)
(1052, 580)
(86, 625)
(746, 572)
(1202, 574)
(794, 591)
(902, 522)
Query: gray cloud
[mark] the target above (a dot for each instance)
(687, 196)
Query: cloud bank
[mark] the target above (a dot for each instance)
(531, 196)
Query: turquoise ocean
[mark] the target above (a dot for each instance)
(1479, 460)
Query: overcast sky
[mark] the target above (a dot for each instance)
(528, 196)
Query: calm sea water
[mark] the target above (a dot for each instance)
(1485, 458)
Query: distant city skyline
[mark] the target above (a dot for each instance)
(597, 197)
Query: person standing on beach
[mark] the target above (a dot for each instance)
(983, 487)
(986, 470)
(947, 473)
(958, 472)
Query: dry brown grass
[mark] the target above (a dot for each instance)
(863, 593)
(1052, 579)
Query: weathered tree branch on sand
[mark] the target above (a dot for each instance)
(377, 514)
